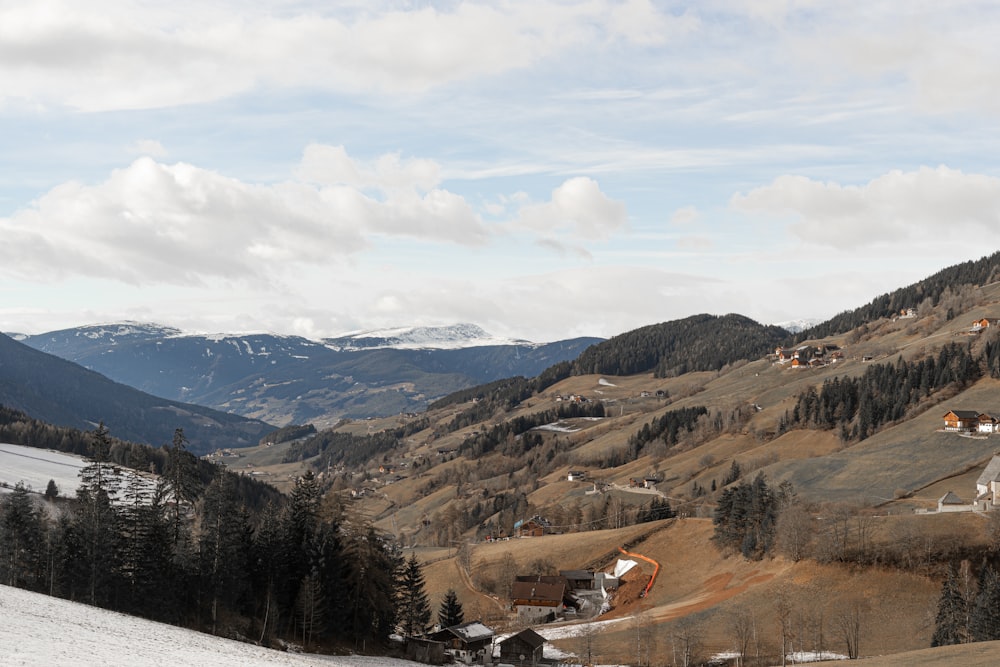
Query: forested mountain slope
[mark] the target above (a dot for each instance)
(696, 343)
(61, 393)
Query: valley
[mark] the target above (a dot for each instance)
(835, 443)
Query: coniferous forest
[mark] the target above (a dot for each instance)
(191, 550)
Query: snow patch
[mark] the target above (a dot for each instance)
(42, 630)
(451, 337)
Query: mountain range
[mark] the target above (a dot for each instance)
(291, 379)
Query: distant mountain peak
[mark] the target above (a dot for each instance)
(452, 336)
(795, 326)
(124, 329)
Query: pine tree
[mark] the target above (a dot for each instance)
(96, 520)
(224, 546)
(310, 607)
(180, 484)
(950, 624)
(414, 610)
(21, 540)
(984, 625)
(450, 613)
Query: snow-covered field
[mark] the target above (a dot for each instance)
(35, 467)
(40, 630)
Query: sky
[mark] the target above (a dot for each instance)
(544, 169)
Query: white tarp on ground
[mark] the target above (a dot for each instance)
(623, 566)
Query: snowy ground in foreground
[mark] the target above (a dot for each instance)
(40, 630)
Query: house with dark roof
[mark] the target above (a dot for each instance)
(466, 642)
(961, 420)
(523, 649)
(988, 486)
(536, 526)
(539, 599)
(950, 502)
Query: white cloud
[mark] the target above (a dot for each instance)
(918, 208)
(154, 223)
(578, 209)
(128, 55)
(331, 165)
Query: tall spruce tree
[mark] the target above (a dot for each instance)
(21, 540)
(96, 521)
(950, 626)
(984, 624)
(414, 610)
(180, 484)
(450, 613)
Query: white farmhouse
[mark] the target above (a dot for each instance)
(988, 486)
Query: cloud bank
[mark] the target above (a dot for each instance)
(179, 224)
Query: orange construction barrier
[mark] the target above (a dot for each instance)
(656, 568)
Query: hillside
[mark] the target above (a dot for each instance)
(290, 379)
(477, 462)
(61, 393)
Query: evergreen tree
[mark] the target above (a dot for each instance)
(950, 624)
(21, 540)
(370, 565)
(180, 485)
(984, 625)
(450, 613)
(414, 611)
(224, 546)
(96, 520)
(310, 607)
(51, 490)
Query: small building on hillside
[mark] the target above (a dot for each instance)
(988, 423)
(950, 502)
(961, 421)
(468, 642)
(523, 649)
(576, 475)
(988, 486)
(539, 599)
(536, 526)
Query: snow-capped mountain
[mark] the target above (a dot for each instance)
(795, 326)
(450, 337)
(290, 379)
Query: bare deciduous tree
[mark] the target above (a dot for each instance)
(849, 625)
(794, 531)
(743, 628)
(685, 640)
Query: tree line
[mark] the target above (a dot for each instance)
(195, 554)
(338, 448)
(512, 437)
(886, 393)
(932, 290)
